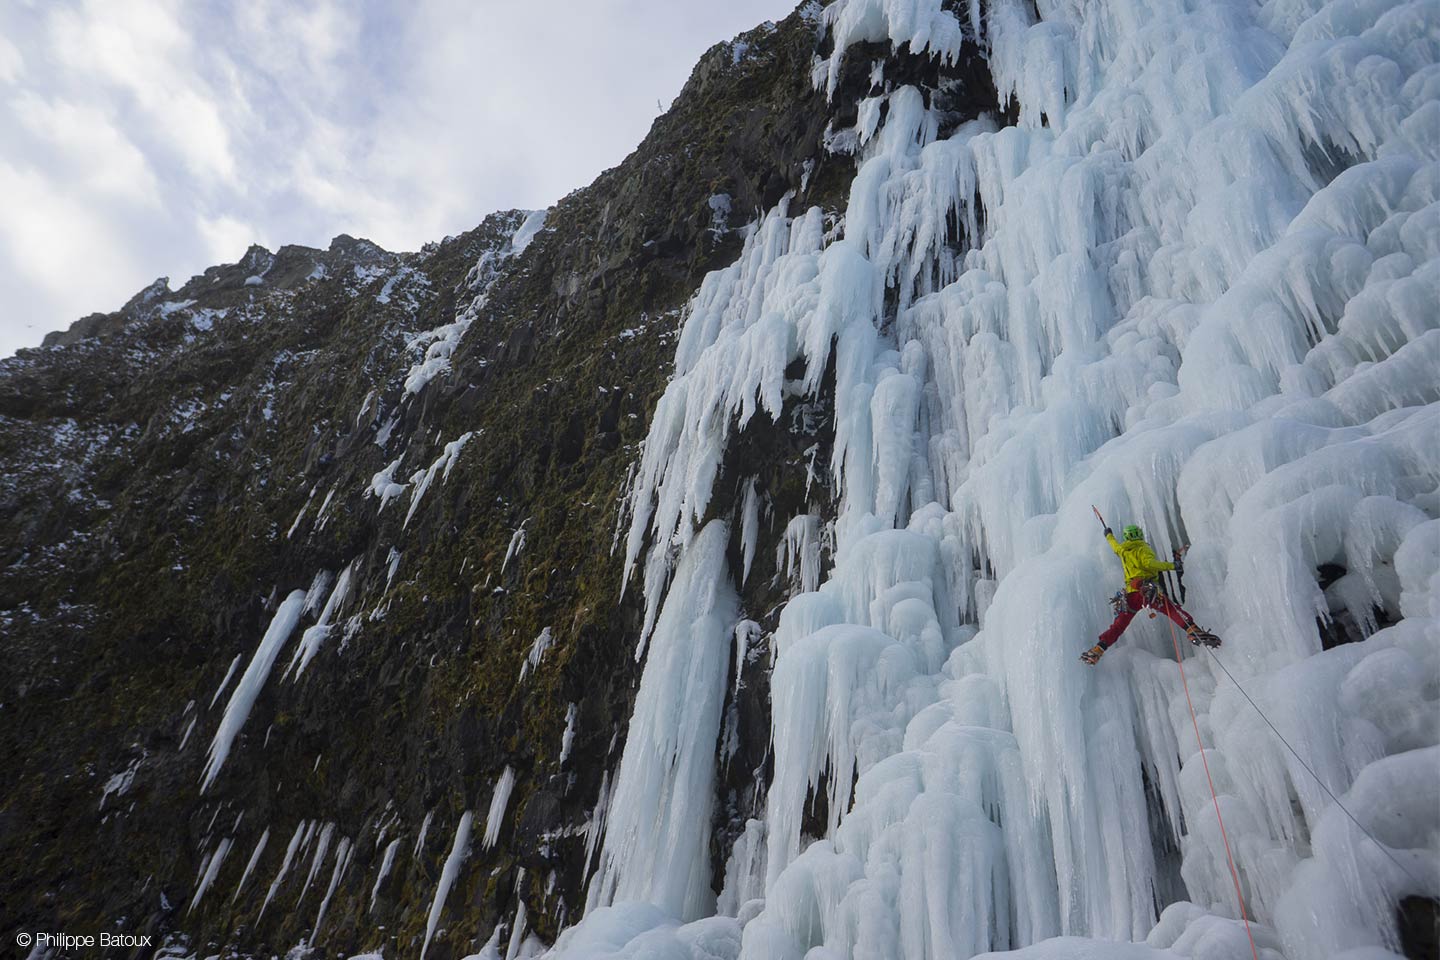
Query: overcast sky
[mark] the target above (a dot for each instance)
(146, 138)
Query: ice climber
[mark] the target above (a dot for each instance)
(1142, 590)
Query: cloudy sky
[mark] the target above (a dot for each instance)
(146, 138)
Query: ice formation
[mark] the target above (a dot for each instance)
(287, 615)
(299, 837)
(226, 682)
(424, 831)
(499, 800)
(538, 649)
(517, 926)
(459, 850)
(1194, 285)
(567, 739)
(441, 342)
(315, 636)
(664, 787)
(342, 860)
(322, 847)
(386, 863)
(119, 784)
(516, 547)
(209, 867)
(301, 515)
(383, 485)
(445, 462)
(250, 864)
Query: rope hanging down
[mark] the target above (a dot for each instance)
(1214, 798)
(1179, 587)
(1330, 793)
(1234, 875)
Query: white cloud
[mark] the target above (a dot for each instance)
(226, 240)
(139, 48)
(156, 137)
(57, 249)
(56, 238)
(12, 63)
(94, 154)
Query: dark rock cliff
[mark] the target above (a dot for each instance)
(172, 471)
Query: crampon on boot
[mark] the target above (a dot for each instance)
(1093, 655)
(1201, 637)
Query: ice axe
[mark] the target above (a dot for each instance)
(1098, 517)
(1178, 555)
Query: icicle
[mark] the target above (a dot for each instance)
(446, 462)
(342, 860)
(301, 515)
(250, 864)
(387, 862)
(459, 850)
(567, 739)
(321, 848)
(315, 636)
(295, 841)
(208, 870)
(746, 633)
(237, 711)
(749, 527)
(383, 485)
(517, 927)
(538, 649)
(420, 837)
(517, 544)
(499, 800)
(226, 681)
(392, 566)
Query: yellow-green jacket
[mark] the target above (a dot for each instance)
(1138, 560)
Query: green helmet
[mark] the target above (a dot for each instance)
(1133, 532)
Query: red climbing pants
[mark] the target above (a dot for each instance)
(1135, 600)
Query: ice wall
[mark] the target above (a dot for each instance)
(1194, 285)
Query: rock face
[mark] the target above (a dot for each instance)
(433, 449)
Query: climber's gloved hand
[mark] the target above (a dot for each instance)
(1109, 532)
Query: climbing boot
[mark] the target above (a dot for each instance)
(1093, 655)
(1201, 637)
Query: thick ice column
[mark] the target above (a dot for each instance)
(657, 842)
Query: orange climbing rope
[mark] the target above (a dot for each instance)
(1234, 875)
(1215, 799)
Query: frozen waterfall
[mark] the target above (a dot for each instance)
(1200, 292)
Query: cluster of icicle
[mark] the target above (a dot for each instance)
(440, 343)
(1203, 298)
(328, 601)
